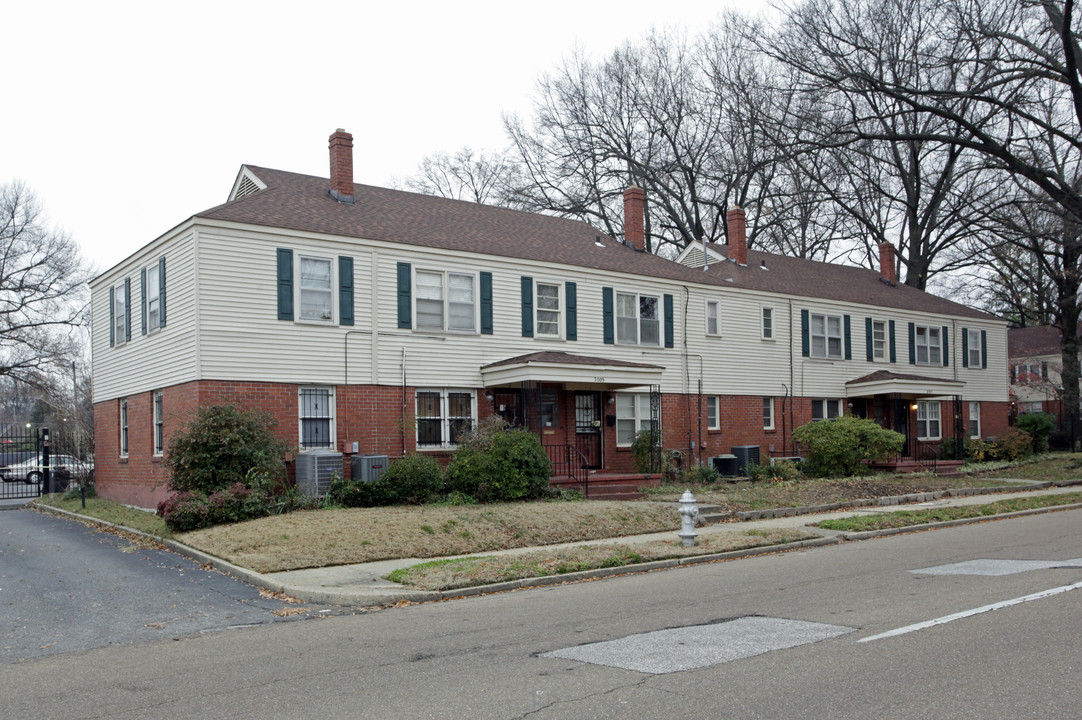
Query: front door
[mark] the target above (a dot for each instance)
(901, 422)
(588, 427)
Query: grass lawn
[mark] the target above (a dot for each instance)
(908, 518)
(109, 511)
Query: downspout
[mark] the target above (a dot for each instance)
(792, 371)
(402, 428)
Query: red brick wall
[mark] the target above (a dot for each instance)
(380, 419)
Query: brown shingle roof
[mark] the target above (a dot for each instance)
(1033, 341)
(301, 202)
(563, 358)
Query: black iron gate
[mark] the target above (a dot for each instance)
(34, 461)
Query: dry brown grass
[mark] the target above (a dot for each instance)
(319, 538)
(467, 572)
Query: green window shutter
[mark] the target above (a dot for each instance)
(668, 321)
(607, 315)
(345, 290)
(405, 296)
(527, 306)
(112, 317)
(285, 284)
(161, 292)
(127, 309)
(868, 339)
(946, 350)
(965, 348)
(984, 349)
(571, 300)
(805, 334)
(143, 295)
(912, 343)
(486, 303)
(893, 346)
(846, 322)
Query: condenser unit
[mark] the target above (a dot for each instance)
(745, 455)
(367, 468)
(725, 465)
(316, 472)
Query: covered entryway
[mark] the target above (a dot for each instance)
(896, 400)
(568, 401)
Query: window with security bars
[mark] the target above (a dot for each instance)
(316, 418)
(443, 416)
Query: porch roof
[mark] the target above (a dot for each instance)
(885, 382)
(577, 370)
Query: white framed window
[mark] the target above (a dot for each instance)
(124, 428)
(1031, 407)
(767, 323)
(826, 336)
(1030, 373)
(443, 415)
(768, 413)
(826, 408)
(713, 317)
(120, 313)
(929, 345)
(316, 289)
(974, 419)
(632, 417)
(445, 301)
(547, 310)
(637, 319)
(879, 340)
(713, 415)
(928, 426)
(974, 348)
(154, 300)
(316, 417)
(159, 435)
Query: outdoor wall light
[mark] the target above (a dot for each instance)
(913, 406)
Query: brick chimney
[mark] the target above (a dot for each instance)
(341, 144)
(635, 218)
(888, 266)
(737, 235)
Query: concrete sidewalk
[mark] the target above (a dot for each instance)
(363, 584)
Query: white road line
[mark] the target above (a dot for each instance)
(975, 611)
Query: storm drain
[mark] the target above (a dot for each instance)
(699, 646)
(997, 567)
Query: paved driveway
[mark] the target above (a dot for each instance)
(65, 587)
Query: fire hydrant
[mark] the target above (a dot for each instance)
(688, 512)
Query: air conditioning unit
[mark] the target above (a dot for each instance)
(367, 468)
(316, 472)
(745, 455)
(725, 465)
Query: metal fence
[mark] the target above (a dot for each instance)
(35, 461)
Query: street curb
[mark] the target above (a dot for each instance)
(869, 534)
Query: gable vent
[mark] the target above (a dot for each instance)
(246, 187)
(694, 259)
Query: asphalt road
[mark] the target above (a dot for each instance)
(511, 655)
(65, 587)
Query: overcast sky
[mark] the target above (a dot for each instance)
(127, 118)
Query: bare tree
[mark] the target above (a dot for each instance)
(43, 292)
(467, 175)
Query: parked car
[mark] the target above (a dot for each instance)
(30, 470)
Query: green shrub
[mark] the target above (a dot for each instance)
(838, 447)
(186, 511)
(780, 471)
(1013, 444)
(647, 450)
(974, 450)
(704, 474)
(221, 446)
(1039, 426)
(496, 463)
(412, 480)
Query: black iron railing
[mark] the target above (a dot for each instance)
(567, 461)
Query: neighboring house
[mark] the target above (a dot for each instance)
(1036, 362)
(376, 321)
